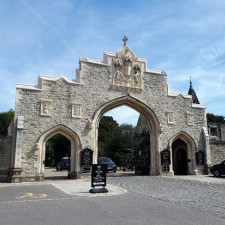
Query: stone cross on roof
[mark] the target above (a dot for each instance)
(125, 39)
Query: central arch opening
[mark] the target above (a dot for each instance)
(124, 141)
(151, 118)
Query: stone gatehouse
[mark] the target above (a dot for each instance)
(73, 108)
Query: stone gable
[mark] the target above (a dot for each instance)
(74, 108)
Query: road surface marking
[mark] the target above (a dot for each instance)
(32, 195)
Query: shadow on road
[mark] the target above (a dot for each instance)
(52, 174)
(221, 177)
(121, 174)
(57, 178)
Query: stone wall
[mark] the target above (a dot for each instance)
(217, 151)
(222, 131)
(217, 142)
(5, 157)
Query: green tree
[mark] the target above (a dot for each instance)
(5, 120)
(127, 136)
(114, 140)
(126, 140)
(215, 118)
(107, 136)
(56, 147)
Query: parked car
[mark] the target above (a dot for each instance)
(111, 166)
(218, 169)
(63, 164)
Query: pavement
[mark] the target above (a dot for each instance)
(82, 187)
(78, 187)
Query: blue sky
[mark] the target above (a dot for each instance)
(182, 37)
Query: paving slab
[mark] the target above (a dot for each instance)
(82, 187)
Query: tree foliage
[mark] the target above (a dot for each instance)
(215, 118)
(56, 147)
(5, 120)
(115, 140)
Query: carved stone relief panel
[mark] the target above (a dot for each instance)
(190, 119)
(170, 117)
(46, 107)
(20, 122)
(76, 110)
(126, 70)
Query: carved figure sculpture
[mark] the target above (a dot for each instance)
(136, 74)
(45, 109)
(127, 70)
(118, 74)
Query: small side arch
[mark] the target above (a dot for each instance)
(183, 136)
(141, 108)
(184, 144)
(75, 149)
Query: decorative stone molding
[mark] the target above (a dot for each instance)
(20, 122)
(170, 118)
(76, 110)
(36, 148)
(126, 70)
(160, 128)
(190, 119)
(46, 107)
(90, 124)
(176, 94)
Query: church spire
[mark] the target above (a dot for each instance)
(193, 94)
(190, 82)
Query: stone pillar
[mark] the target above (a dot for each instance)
(19, 142)
(192, 170)
(38, 163)
(171, 172)
(74, 172)
(207, 150)
(16, 171)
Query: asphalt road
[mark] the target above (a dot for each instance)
(29, 192)
(45, 204)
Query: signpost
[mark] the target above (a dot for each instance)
(165, 160)
(98, 178)
(86, 159)
(165, 157)
(200, 157)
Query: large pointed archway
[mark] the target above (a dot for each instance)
(142, 109)
(75, 149)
